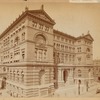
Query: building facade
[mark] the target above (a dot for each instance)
(74, 58)
(36, 56)
(96, 64)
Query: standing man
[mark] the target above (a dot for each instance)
(87, 86)
(79, 83)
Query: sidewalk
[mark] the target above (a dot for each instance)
(72, 91)
(91, 92)
(4, 94)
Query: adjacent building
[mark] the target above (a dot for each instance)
(74, 58)
(96, 63)
(36, 56)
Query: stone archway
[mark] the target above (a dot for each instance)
(65, 75)
(42, 77)
(3, 83)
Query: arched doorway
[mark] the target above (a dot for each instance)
(65, 75)
(42, 77)
(98, 78)
(3, 83)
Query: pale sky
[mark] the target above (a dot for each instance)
(73, 19)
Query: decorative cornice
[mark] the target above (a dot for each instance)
(14, 23)
(28, 12)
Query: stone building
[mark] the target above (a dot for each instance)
(74, 58)
(27, 50)
(96, 64)
(36, 56)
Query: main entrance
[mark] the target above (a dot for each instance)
(65, 75)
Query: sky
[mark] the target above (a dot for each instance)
(71, 18)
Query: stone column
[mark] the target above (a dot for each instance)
(59, 75)
(37, 55)
(62, 74)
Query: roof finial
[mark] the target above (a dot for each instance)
(26, 8)
(42, 7)
(82, 34)
(88, 32)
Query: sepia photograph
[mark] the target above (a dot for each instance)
(49, 49)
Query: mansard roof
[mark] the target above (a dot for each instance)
(40, 14)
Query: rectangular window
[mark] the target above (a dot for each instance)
(23, 36)
(62, 39)
(66, 40)
(23, 53)
(58, 37)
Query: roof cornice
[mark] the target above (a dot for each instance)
(64, 34)
(27, 12)
(14, 23)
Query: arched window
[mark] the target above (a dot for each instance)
(65, 75)
(79, 73)
(40, 50)
(11, 43)
(79, 60)
(89, 70)
(22, 76)
(40, 40)
(16, 41)
(87, 50)
(4, 69)
(18, 75)
(14, 75)
(3, 83)
(42, 77)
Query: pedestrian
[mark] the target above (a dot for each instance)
(87, 86)
(78, 89)
(79, 83)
